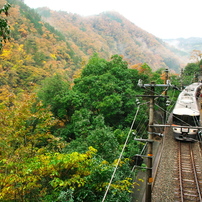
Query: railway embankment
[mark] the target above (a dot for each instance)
(140, 180)
(165, 184)
(163, 187)
(166, 178)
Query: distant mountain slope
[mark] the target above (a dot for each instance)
(36, 50)
(186, 45)
(110, 33)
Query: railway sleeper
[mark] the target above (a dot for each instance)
(189, 199)
(191, 195)
(184, 167)
(190, 187)
(186, 170)
(191, 191)
(188, 193)
(188, 180)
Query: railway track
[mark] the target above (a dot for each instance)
(189, 176)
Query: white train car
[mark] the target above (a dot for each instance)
(186, 114)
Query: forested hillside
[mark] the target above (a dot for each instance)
(186, 45)
(66, 112)
(110, 33)
(35, 50)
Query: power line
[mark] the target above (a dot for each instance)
(121, 155)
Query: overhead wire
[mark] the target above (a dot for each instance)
(121, 154)
(141, 121)
(169, 112)
(175, 117)
(170, 100)
(141, 125)
(126, 144)
(173, 93)
(159, 94)
(143, 131)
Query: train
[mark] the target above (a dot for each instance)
(186, 114)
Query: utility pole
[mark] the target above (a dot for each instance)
(181, 78)
(150, 146)
(165, 106)
(149, 180)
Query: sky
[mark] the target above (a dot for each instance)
(166, 19)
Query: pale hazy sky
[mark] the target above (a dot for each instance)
(162, 18)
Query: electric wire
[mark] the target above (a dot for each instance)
(169, 113)
(139, 128)
(143, 132)
(196, 121)
(121, 154)
(171, 108)
(141, 121)
(173, 93)
(161, 94)
(182, 121)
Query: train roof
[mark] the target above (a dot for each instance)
(186, 111)
(186, 103)
(192, 87)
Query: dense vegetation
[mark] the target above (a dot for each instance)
(110, 33)
(5, 29)
(66, 146)
(193, 71)
(61, 135)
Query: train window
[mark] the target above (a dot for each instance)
(186, 120)
(186, 94)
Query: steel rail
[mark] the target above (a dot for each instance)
(180, 172)
(192, 166)
(195, 172)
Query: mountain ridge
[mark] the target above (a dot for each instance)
(115, 35)
(186, 44)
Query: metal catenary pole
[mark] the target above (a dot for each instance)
(149, 180)
(165, 106)
(150, 146)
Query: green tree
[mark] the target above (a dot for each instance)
(109, 88)
(190, 72)
(54, 93)
(4, 27)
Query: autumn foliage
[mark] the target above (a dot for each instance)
(65, 110)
